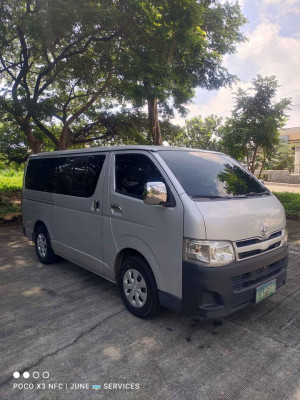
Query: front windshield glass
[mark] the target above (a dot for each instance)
(211, 174)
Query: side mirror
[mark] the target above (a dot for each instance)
(155, 193)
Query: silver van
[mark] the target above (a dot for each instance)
(182, 228)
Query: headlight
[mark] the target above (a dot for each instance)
(209, 253)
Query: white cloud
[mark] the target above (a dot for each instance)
(266, 53)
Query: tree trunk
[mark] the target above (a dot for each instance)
(153, 121)
(35, 144)
(253, 160)
(262, 167)
(62, 139)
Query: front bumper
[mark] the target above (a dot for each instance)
(214, 292)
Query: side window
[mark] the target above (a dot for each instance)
(41, 174)
(133, 171)
(94, 167)
(86, 174)
(79, 173)
(64, 175)
(75, 176)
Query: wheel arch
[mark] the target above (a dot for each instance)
(122, 255)
(129, 245)
(127, 252)
(37, 225)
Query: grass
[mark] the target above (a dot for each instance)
(10, 192)
(10, 181)
(290, 202)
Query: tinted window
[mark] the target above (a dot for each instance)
(210, 174)
(64, 175)
(75, 176)
(79, 177)
(133, 171)
(40, 174)
(94, 167)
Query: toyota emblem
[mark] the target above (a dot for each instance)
(264, 231)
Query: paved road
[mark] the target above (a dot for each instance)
(66, 321)
(281, 187)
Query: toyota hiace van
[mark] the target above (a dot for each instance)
(182, 228)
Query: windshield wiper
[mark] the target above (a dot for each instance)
(266, 192)
(203, 196)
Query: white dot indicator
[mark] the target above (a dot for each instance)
(16, 374)
(26, 375)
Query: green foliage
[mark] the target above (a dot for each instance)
(290, 202)
(57, 58)
(174, 46)
(10, 191)
(126, 127)
(65, 61)
(283, 158)
(6, 207)
(255, 121)
(201, 133)
(11, 180)
(14, 148)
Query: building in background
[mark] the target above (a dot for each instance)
(292, 137)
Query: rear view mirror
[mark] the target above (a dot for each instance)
(155, 193)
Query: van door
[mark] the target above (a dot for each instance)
(155, 231)
(78, 210)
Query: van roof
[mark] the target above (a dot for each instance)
(115, 148)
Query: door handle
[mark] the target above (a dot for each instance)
(115, 207)
(96, 205)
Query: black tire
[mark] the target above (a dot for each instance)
(151, 304)
(48, 256)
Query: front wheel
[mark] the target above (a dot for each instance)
(138, 287)
(43, 246)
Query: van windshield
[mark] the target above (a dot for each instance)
(211, 175)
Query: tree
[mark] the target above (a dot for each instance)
(62, 63)
(255, 122)
(56, 60)
(174, 46)
(282, 158)
(198, 132)
(13, 149)
(202, 133)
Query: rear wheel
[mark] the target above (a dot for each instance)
(138, 287)
(43, 246)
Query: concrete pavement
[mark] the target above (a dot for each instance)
(66, 321)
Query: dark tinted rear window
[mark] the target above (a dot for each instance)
(40, 174)
(75, 176)
(64, 175)
(210, 174)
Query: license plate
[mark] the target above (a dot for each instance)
(265, 290)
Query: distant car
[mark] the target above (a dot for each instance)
(187, 229)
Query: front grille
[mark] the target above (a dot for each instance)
(250, 242)
(251, 253)
(251, 278)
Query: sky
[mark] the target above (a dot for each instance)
(273, 48)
